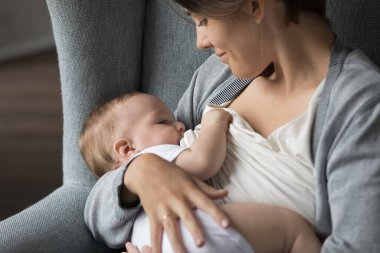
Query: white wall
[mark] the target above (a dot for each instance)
(24, 28)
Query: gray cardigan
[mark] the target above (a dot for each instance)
(344, 149)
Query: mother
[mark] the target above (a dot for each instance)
(295, 36)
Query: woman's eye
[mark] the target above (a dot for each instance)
(203, 22)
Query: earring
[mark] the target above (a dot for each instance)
(261, 40)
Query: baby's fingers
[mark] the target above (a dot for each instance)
(131, 248)
(146, 249)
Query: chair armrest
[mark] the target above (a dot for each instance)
(54, 224)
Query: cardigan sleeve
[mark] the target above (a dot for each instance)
(107, 219)
(346, 155)
(353, 185)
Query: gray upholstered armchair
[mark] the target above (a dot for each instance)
(105, 48)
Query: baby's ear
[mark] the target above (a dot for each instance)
(124, 149)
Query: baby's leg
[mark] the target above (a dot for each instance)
(218, 239)
(272, 229)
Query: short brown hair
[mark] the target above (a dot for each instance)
(98, 134)
(219, 8)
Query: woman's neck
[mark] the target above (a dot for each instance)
(302, 54)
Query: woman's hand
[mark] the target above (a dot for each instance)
(167, 194)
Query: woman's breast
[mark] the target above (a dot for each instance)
(270, 170)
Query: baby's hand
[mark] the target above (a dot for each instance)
(216, 118)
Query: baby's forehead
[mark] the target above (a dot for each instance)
(142, 99)
(141, 104)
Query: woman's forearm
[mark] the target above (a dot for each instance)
(105, 215)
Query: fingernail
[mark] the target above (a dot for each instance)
(225, 223)
(200, 242)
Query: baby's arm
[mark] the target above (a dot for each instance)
(272, 229)
(206, 155)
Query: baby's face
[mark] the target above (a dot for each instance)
(152, 123)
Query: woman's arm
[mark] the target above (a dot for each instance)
(352, 185)
(164, 190)
(347, 156)
(108, 219)
(167, 194)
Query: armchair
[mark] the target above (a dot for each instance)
(106, 48)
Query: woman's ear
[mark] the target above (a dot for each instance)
(258, 10)
(124, 149)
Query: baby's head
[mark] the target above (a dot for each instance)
(124, 126)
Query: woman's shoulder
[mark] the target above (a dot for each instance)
(359, 78)
(357, 61)
(355, 80)
(352, 89)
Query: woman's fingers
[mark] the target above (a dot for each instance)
(210, 191)
(156, 235)
(191, 222)
(171, 227)
(207, 205)
(211, 209)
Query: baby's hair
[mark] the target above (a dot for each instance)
(98, 134)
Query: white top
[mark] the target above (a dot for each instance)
(168, 152)
(275, 170)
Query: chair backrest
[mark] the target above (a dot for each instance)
(145, 45)
(136, 45)
(357, 23)
(170, 57)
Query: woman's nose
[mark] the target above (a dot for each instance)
(202, 39)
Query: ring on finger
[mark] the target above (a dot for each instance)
(165, 217)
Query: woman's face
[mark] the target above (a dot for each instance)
(236, 40)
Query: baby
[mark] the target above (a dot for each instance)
(138, 123)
